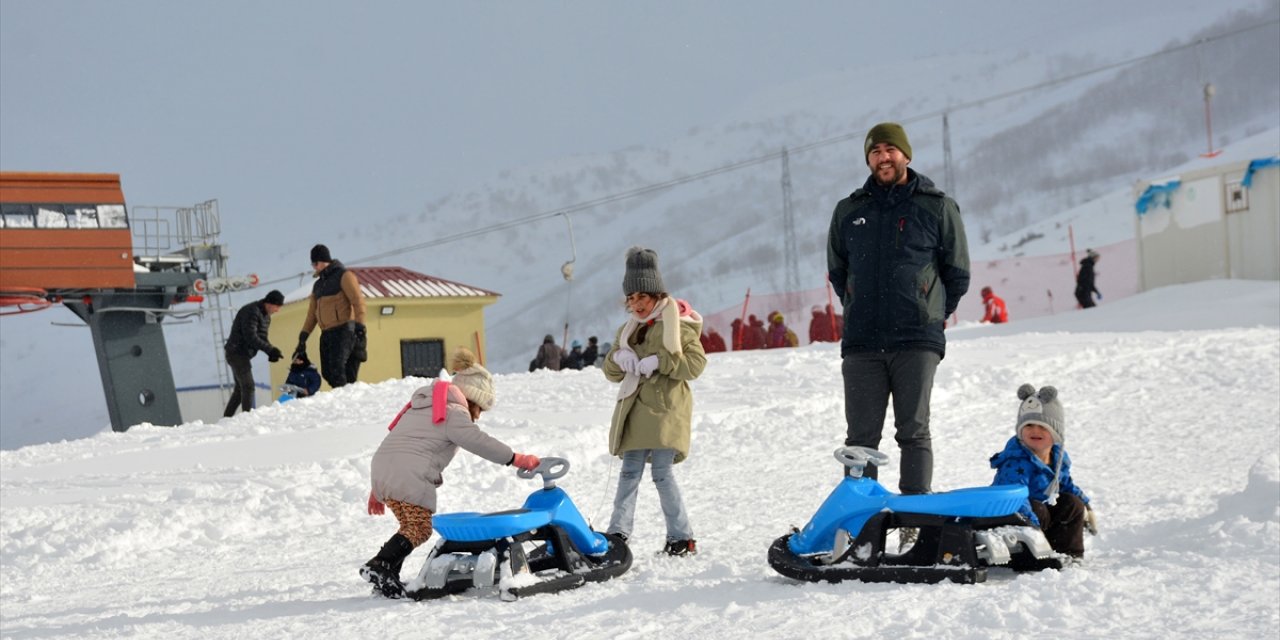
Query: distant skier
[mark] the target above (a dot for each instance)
(1036, 456)
(1085, 287)
(996, 312)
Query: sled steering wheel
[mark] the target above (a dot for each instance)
(857, 459)
(549, 468)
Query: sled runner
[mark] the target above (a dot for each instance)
(502, 550)
(961, 533)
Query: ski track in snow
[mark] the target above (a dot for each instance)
(254, 527)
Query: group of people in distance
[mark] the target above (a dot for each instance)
(551, 356)
(336, 306)
(898, 259)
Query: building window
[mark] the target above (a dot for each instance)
(423, 358)
(1237, 197)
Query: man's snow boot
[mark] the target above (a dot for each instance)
(383, 570)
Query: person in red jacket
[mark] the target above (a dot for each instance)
(754, 336)
(712, 341)
(819, 326)
(996, 313)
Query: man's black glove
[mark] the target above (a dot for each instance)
(302, 344)
(274, 355)
(361, 347)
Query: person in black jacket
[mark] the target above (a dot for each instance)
(1085, 287)
(591, 353)
(248, 337)
(898, 258)
(574, 358)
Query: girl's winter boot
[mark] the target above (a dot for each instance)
(383, 570)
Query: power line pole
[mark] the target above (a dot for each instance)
(789, 224)
(949, 181)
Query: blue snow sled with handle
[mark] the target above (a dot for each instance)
(543, 547)
(959, 533)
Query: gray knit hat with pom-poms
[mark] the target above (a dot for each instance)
(642, 272)
(1042, 408)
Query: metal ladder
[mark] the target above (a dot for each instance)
(189, 235)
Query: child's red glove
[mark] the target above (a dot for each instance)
(375, 508)
(525, 461)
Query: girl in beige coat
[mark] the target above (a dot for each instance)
(655, 355)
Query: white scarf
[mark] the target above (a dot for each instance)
(670, 313)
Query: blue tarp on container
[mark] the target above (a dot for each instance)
(1157, 194)
(1255, 165)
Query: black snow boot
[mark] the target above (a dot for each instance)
(681, 548)
(383, 571)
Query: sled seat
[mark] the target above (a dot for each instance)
(476, 527)
(975, 502)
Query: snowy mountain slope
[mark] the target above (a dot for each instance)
(255, 526)
(1016, 162)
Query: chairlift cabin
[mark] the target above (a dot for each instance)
(63, 231)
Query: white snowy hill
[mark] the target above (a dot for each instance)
(254, 527)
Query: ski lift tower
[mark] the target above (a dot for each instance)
(66, 238)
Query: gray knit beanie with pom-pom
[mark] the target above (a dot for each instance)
(1042, 408)
(642, 272)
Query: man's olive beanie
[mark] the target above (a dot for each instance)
(890, 132)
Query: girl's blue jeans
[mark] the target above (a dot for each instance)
(624, 503)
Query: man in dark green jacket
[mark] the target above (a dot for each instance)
(898, 258)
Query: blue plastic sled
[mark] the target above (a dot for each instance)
(960, 533)
(489, 549)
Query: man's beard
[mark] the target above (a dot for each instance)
(897, 175)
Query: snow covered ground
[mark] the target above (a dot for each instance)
(254, 527)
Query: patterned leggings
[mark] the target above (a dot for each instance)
(415, 521)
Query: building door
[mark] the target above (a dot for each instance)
(421, 358)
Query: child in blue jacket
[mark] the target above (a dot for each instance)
(1036, 457)
(303, 376)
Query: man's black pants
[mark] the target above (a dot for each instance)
(242, 392)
